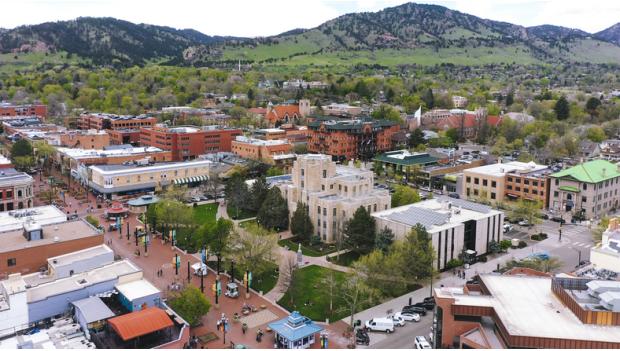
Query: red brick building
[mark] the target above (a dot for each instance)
(351, 139)
(124, 136)
(8, 109)
(189, 142)
(101, 121)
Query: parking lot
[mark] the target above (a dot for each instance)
(402, 338)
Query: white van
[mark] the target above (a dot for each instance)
(421, 343)
(380, 324)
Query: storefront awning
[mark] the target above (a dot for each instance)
(190, 180)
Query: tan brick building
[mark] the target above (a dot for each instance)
(275, 152)
(333, 193)
(101, 121)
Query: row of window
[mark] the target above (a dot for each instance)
(477, 193)
(484, 182)
(600, 185)
(525, 190)
(526, 181)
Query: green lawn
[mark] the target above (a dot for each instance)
(345, 259)
(205, 213)
(311, 288)
(243, 214)
(263, 282)
(313, 251)
(245, 224)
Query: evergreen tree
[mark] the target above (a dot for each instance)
(416, 253)
(273, 214)
(359, 232)
(237, 194)
(384, 239)
(429, 98)
(416, 138)
(258, 192)
(562, 110)
(301, 224)
(510, 99)
(592, 105)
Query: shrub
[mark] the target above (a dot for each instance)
(93, 221)
(315, 240)
(505, 244)
(453, 263)
(482, 258)
(522, 244)
(543, 236)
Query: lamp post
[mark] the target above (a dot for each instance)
(232, 271)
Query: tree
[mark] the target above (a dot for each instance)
(428, 98)
(561, 108)
(273, 213)
(287, 276)
(330, 283)
(404, 195)
(253, 247)
(383, 272)
(595, 134)
(538, 264)
(258, 193)
(416, 254)
(49, 195)
(592, 105)
(386, 112)
(190, 304)
(23, 163)
(301, 224)
(359, 231)
(385, 238)
(44, 151)
(416, 138)
(237, 193)
(597, 233)
(509, 99)
(453, 134)
(21, 148)
(528, 210)
(217, 236)
(356, 294)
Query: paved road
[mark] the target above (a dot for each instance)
(402, 338)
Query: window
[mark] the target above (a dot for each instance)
(476, 181)
(492, 196)
(494, 184)
(509, 187)
(475, 192)
(518, 188)
(318, 209)
(468, 179)
(526, 190)
(510, 179)
(302, 172)
(334, 212)
(324, 173)
(584, 199)
(535, 192)
(535, 183)
(518, 180)
(484, 182)
(302, 183)
(374, 208)
(11, 262)
(526, 181)
(322, 187)
(585, 186)
(557, 181)
(556, 194)
(324, 211)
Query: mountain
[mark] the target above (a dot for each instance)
(104, 40)
(611, 34)
(416, 33)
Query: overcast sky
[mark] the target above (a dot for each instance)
(269, 17)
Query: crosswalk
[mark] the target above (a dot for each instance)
(583, 245)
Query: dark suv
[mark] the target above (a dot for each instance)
(415, 309)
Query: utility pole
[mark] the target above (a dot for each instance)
(176, 264)
(189, 277)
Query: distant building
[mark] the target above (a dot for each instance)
(295, 332)
(528, 310)
(187, 143)
(302, 84)
(459, 101)
(117, 180)
(101, 121)
(610, 150)
(497, 181)
(404, 162)
(275, 152)
(287, 113)
(351, 139)
(333, 193)
(341, 110)
(589, 150)
(588, 190)
(467, 123)
(8, 109)
(124, 137)
(455, 226)
(82, 139)
(16, 190)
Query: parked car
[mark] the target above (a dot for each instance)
(398, 320)
(195, 199)
(429, 299)
(408, 316)
(414, 309)
(558, 219)
(507, 228)
(421, 343)
(426, 305)
(380, 324)
(525, 223)
(203, 197)
(454, 195)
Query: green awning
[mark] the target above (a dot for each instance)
(572, 189)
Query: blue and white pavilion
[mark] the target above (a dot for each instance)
(295, 331)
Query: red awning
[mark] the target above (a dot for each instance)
(135, 324)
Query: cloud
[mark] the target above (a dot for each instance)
(270, 17)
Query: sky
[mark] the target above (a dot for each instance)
(251, 18)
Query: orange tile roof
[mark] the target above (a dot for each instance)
(135, 324)
(278, 112)
(258, 110)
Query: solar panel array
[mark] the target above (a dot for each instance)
(414, 215)
(468, 205)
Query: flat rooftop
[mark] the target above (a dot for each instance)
(82, 280)
(435, 215)
(12, 220)
(137, 289)
(500, 169)
(128, 169)
(52, 233)
(113, 152)
(9, 176)
(77, 256)
(261, 142)
(527, 307)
